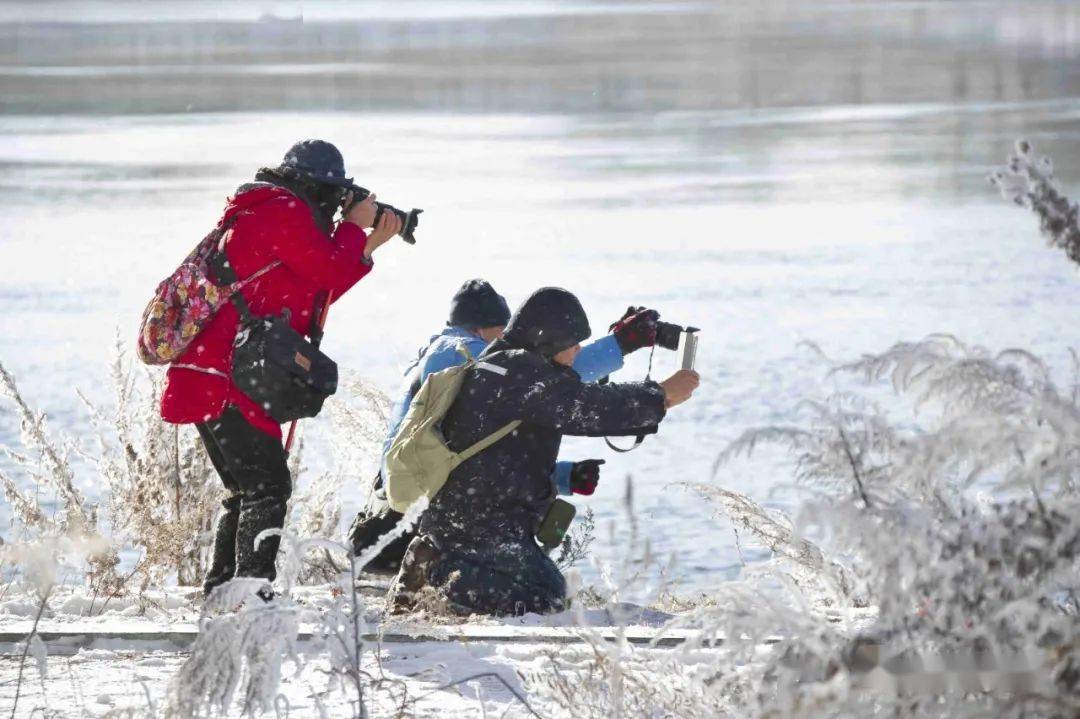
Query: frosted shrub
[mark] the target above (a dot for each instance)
(245, 639)
(72, 527)
(896, 588)
(242, 644)
(342, 625)
(957, 583)
(159, 488)
(612, 677)
(1029, 182)
(163, 492)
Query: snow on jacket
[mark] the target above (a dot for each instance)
(271, 224)
(595, 361)
(506, 490)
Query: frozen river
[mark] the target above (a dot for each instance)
(769, 172)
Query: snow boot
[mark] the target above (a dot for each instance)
(256, 516)
(223, 562)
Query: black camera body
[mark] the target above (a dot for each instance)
(409, 220)
(667, 335)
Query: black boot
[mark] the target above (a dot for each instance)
(253, 466)
(256, 516)
(223, 562)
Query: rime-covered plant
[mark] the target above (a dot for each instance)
(575, 545)
(611, 677)
(1029, 182)
(342, 625)
(242, 645)
(163, 492)
(68, 534)
(46, 461)
(953, 579)
(160, 489)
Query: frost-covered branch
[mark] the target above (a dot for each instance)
(1029, 182)
(947, 574)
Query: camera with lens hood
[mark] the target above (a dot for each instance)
(409, 220)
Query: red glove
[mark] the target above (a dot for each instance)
(584, 476)
(636, 329)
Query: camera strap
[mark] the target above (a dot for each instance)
(639, 438)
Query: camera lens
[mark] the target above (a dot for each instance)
(667, 335)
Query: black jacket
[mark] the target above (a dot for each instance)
(506, 490)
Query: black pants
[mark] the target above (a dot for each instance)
(374, 521)
(253, 467)
(510, 577)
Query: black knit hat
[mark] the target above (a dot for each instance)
(550, 321)
(477, 304)
(317, 160)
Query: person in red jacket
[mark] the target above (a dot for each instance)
(286, 215)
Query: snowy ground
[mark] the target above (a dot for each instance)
(100, 662)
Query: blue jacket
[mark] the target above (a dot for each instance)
(597, 360)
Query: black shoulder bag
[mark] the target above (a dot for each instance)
(273, 364)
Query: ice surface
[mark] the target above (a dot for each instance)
(545, 201)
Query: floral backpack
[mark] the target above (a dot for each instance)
(186, 301)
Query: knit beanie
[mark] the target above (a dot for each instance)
(476, 304)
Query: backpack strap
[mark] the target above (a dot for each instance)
(486, 442)
(479, 446)
(224, 274)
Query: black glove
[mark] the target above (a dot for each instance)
(584, 476)
(636, 329)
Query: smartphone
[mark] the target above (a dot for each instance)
(555, 524)
(689, 348)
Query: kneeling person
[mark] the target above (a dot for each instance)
(478, 316)
(477, 537)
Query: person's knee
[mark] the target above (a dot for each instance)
(231, 504)
(267, 483)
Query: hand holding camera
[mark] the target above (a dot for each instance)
(641, 327)
(385, 227)
(365, 213)
(361, 212)
(679, 387)
(636, 329)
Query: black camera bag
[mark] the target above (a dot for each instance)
(273, 364)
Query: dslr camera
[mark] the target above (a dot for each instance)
(409, 220)
(668, 336)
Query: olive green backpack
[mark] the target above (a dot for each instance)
(419, 462)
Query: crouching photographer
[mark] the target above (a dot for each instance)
(477, 540)
(240, 363)
(478, 316)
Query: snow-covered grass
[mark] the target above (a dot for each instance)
(897, 586)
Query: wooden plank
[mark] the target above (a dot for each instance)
(85, 635)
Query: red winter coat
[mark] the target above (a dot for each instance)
(272, 224)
